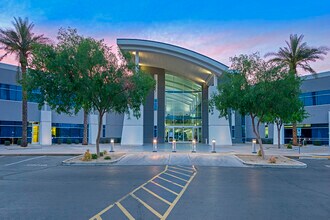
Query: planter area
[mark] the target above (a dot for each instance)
(270, 161)
(105, 159)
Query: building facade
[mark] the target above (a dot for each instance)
(176, 110)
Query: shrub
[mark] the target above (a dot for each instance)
(59, 141)
(76, 141)
(317, 143)
(68, 141)
(101, 154)
(94, 156)
(87, 156)
(105, 152)
(19, 141)
(289, 146)
(272, 159)
(259, 153)
(7, 143)
(107, 158)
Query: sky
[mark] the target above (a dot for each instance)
(218, 29)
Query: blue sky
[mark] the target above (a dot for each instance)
(219, 29)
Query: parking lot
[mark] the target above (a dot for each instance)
(38, 187)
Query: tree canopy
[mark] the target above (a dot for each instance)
(82, 72)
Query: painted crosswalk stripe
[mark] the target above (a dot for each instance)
(157, 196)
(175, 177)
(126, 213)
(171, 191)
(147, 206)
(22, 161)
(170, 181)
(177, 168)
(179, 173)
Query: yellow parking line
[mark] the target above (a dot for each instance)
(177, 168)
(179, 173)
(170, 181)
(147, 206)
(168, 211)
(157, 196)
(176, 177)
(97, 216)
(171, 191)
(183, 167)
(122, 208)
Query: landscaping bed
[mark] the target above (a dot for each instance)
(105, 159)
(270, 161)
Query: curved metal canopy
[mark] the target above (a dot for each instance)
(174, 59)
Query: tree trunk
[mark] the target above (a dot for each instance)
(84, 142)
(99, 133)
(294, 134)
(256, 132)
(24, 142)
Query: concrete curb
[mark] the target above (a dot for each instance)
(41, 154)
(108, 163)
(299, 165)
(22, 148)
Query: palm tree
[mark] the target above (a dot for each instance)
(297, 54)
(20, 41)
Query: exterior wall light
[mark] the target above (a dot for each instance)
(213, 146)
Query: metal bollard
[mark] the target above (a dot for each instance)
(254, 141)
(154, 145)
(193, 150)
(174, 146)
(213, 146)
(112, 146)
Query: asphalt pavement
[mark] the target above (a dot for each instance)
(39, 187)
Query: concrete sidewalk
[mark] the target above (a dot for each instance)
(74, 149)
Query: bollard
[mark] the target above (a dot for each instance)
(112, 146)
(254, 141)
(174, 146)
(193, 150)
(154, 145)
(213, 146)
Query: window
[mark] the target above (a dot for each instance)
(316, 98)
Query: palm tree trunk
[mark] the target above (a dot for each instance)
(24, 142)
(99, 133)
(84, 142)
(294, 134)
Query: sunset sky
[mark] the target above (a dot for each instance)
(218, 29)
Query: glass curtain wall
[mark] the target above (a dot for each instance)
(183, 109)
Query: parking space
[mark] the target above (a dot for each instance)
(154, 199)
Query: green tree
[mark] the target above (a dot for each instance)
(286, 106)
(94, 78)
(247, 88)
(20, 41)
(297, 54)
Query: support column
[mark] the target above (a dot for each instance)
(92, 128)
(275, 135)
(133, 128)
(219, 129)
(45, 127)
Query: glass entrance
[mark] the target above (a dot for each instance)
(35, 133)
(182, 134)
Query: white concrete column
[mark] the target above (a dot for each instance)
(45, 127)
(329, 126)
(132, 133)
(219, 129)
(92, 128)
(275, 135)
